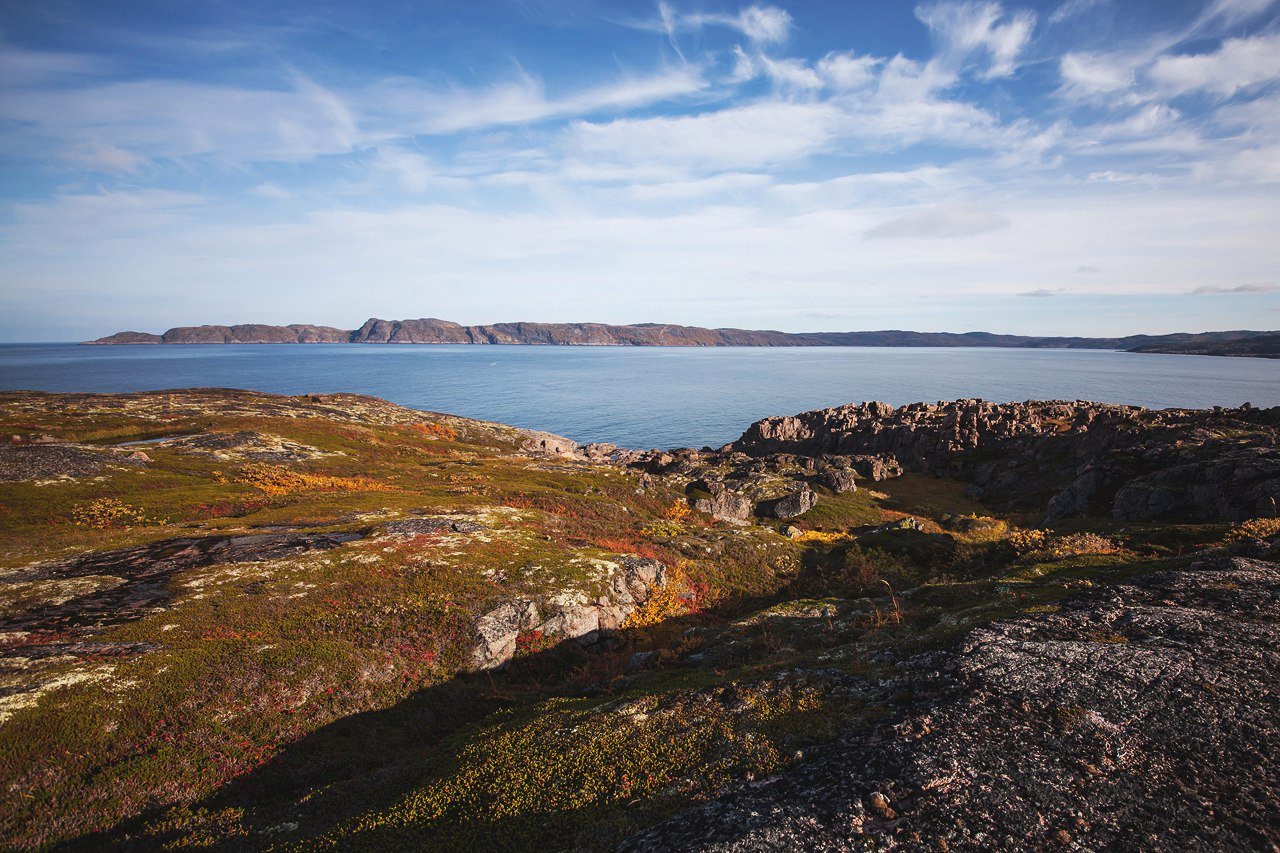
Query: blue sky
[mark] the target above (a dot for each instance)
(1068, 167)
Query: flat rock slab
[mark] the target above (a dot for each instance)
(45, 461)
(428, 526)
(145, 571)
(261, 447)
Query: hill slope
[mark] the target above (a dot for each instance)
(253, 622)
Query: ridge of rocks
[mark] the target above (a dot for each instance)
(1060, 458)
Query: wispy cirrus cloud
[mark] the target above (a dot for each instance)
(408, 107)
(759, 23)
(966, 28)
(1073, 9)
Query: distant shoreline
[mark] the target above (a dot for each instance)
(1242, 343)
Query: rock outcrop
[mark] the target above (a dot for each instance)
(1060, 457)
(792, 504)
(1139, 716)
(568, 615)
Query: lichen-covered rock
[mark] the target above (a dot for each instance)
(45, 461)
(1232, 487)
(726, 506)
(1140, 716)
(549, 444)
(567, 615)
(431, 525)
(497, 631)
(244, 444)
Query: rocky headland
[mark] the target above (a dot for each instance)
(434, 331)
(246, 621)
(1054, 459)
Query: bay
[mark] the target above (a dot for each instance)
(648, 396)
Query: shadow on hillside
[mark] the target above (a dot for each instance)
(370, 760)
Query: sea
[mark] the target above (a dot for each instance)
(643, 397)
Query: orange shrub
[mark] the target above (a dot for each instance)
(663, 603)
(277, 480)
(435, 430)
(678, 511)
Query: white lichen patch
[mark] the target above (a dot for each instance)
(239, 446)
(238, 573)
(52, 592)
(30, 697)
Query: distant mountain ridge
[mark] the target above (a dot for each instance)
(435, 331)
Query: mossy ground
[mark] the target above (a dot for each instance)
(321, 699)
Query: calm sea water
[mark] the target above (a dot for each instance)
(648, 397)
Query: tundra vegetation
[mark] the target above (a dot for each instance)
(239, 619)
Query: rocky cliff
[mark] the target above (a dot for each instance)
(434, 331)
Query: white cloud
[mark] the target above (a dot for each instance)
(1256, 165)
(847, 70)
(765, 24)
(530, 264)
(1042, 292)
(955, 221)
(27, 67)
(1241, 63)
(965, 28)
(791, 73)
(99, 157)
(271, 190)
(760, 24)
(1088, 74)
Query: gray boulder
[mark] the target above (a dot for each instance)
(725, 506)
(838, 480)
(793, 504)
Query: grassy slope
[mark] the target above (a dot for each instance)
(319, 698)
